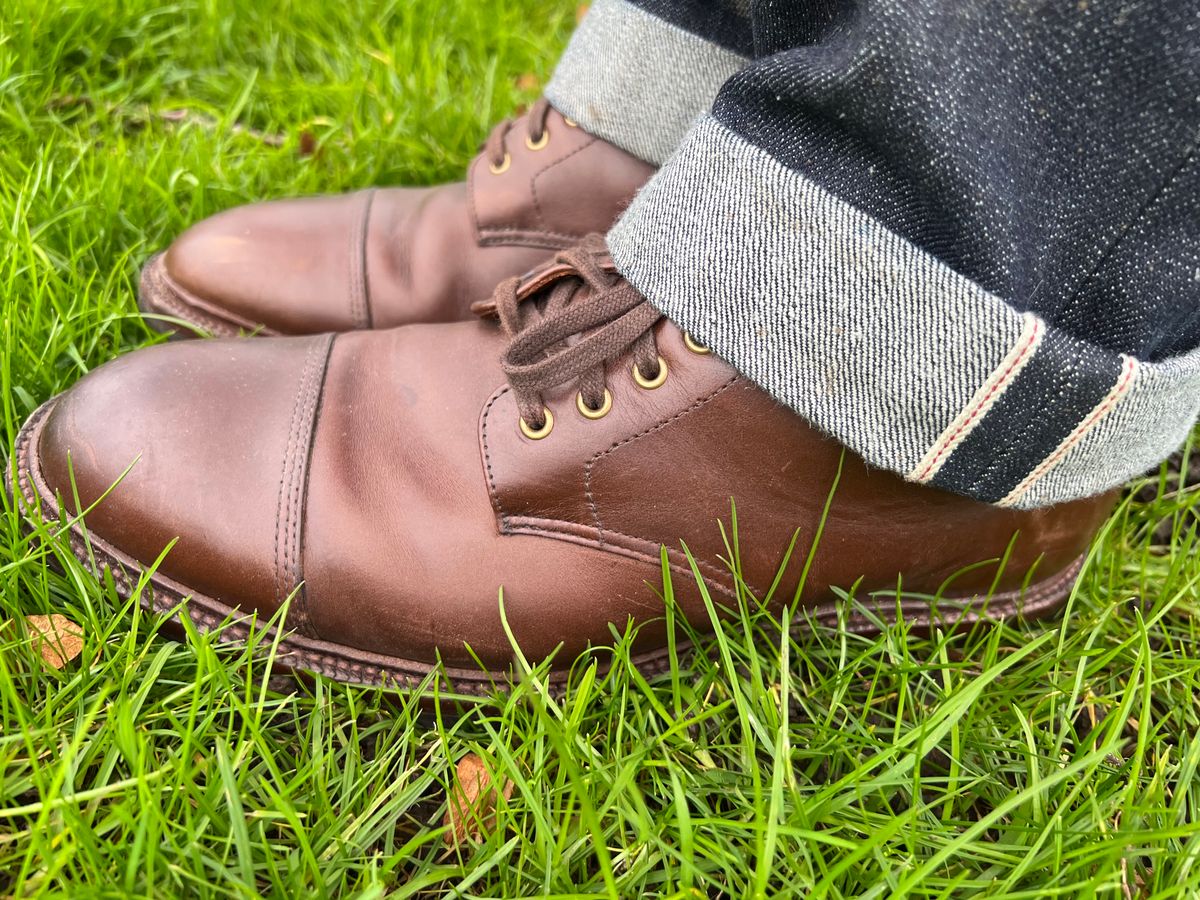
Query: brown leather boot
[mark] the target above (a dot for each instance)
(391, 256)
(393, 483)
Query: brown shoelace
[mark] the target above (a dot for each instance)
(496, 147)
(579, 315)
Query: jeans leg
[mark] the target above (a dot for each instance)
(638, 74)
(962, 237)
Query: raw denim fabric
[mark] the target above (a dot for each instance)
(639, 81)
(961, 236)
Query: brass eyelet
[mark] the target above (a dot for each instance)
(536, 434)
(691, 344)
(650, 384)
(503, 167)
(540, 142)
(570, 123)
(590, 413)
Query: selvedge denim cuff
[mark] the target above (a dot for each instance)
(883, 346)
(636, 80)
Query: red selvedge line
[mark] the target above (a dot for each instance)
(1005, 376)
(1117, 392)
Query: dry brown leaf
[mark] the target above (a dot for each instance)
(57, 638)
(308, 143)
(528, 82)
(472, 805)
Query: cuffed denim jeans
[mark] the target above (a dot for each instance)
(962, 237)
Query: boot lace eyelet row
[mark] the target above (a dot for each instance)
(598, 412)
(590, 411)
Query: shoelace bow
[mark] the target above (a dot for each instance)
(566, 321)
(496, 147)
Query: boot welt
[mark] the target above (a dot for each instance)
(160, 299)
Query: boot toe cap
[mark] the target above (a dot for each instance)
(292, 266)
(197, 444)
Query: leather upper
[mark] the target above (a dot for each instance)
(391, 256)
(384, 473)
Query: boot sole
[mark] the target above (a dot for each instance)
(303, 654)
(158, 297)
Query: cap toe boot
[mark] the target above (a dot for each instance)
(419, 494)
(391, 256)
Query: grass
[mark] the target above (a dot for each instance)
(1055, 759)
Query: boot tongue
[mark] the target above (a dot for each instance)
(540, 279)
(528, 285)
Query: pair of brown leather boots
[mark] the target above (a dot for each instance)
(420, 471)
